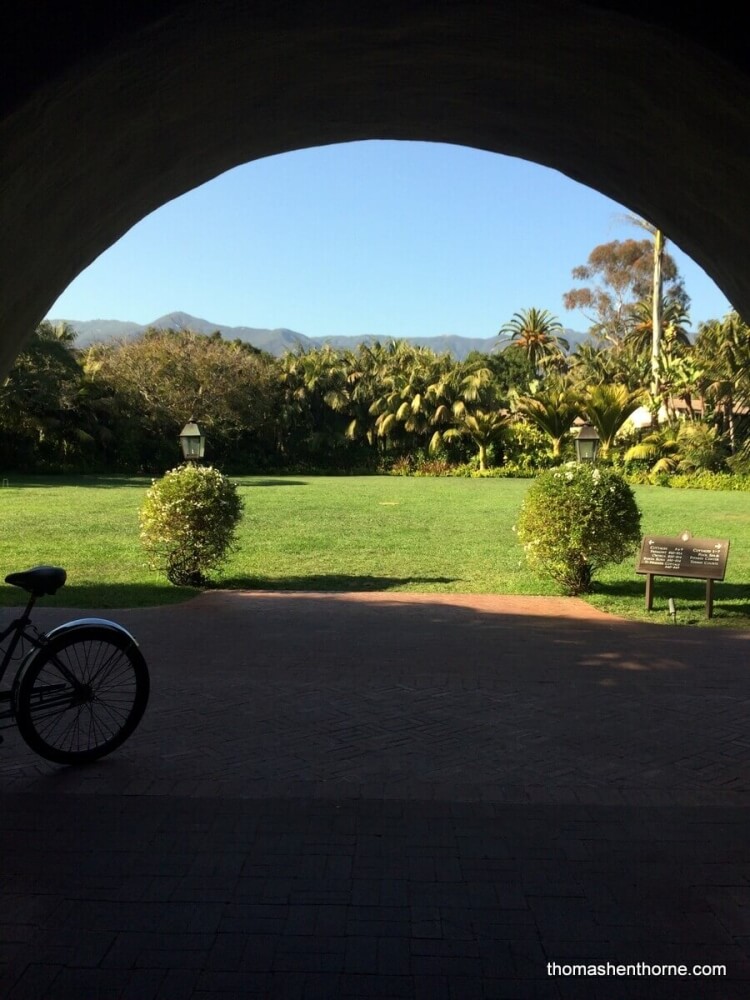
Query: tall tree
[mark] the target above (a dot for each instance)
(167, 376)
(657, 309)
(657, 302)
(616, 276)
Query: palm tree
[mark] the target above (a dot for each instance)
(465, 397)
(661, 448)
(592, 364)
(483, 427)
(309, 379)
(537, 333)
(460, 388)
(723, 347)
(607, 407)
(404, 406)
(674, 317)
(355, 391)
(36, 397)
(682, 447)
(553, 411)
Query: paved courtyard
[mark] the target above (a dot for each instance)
(392, 795)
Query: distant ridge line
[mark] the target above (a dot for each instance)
(279, 341)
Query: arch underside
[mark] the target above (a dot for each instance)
(184, 91)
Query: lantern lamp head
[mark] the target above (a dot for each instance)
(587, 444)
(192, 441)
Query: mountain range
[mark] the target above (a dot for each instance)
(276, 342)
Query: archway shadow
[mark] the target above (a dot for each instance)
(586, 779)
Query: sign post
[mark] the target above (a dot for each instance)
(684, 556)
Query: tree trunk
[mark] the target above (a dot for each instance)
(482, 457)
(656, 311)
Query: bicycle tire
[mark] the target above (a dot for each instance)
(75, 728)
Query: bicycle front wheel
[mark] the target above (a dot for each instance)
(83, 695)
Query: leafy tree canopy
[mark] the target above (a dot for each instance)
(617, 276)
(511, 368)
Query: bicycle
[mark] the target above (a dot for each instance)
(81, 689)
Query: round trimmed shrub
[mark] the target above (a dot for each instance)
(188, 523)
(576, 519)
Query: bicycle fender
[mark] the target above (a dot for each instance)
(67, 628)
(83, 623)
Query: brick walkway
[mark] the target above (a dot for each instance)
(392, 795)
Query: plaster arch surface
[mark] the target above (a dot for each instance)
(107, 114)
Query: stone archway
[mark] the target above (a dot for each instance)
(108, 115)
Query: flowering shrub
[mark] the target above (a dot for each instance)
(188, 521)
(576, 519)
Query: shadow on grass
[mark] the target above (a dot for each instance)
(330, 582)
(115, 595)
(143, 595)
(270, 482)
(687, 590)
(20, 481)
(687, 594)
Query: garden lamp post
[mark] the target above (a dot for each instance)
(587, 444)
(192, 442)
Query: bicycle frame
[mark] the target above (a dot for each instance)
(20, 630)
(19, 627)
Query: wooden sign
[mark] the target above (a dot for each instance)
(685, 556)
(693, 558)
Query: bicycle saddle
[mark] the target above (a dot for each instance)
(39, 581)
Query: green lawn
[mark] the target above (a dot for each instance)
(358, 533)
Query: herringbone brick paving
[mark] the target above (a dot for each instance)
(392, 795)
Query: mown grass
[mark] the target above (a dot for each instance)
(358, 533)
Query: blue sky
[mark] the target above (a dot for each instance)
(388, 238)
